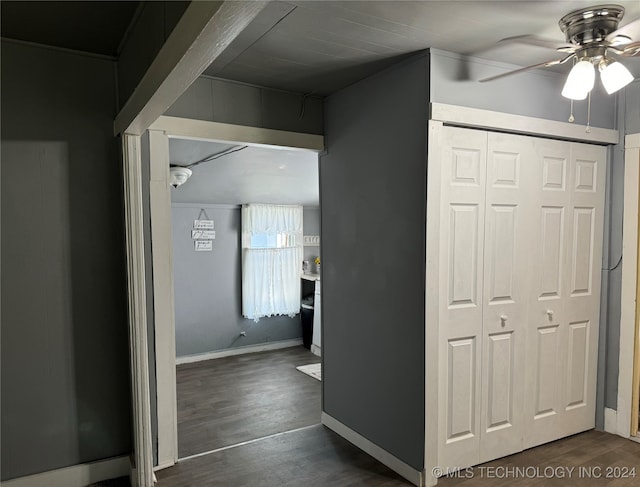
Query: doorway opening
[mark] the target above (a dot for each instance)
(236, 378)
(223, 379)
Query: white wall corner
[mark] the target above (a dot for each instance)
(610, 420)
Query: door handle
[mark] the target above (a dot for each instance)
(503, 319)
(550, 314)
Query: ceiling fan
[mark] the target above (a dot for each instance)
(593, 40)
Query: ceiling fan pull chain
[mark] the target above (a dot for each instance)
(588, 129)
(571, 117)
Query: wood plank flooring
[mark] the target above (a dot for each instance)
(593, 455)
(230, 400)
(317, 457)
(313, 457)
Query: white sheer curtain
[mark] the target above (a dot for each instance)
(272, 258)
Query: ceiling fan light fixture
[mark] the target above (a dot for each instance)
(614, 75)
(580, 80)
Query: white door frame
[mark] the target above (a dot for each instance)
(443, 114)
(161, 239)
(629, 282)
(142, 471)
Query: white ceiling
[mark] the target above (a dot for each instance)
(251, 175)
(322, 46)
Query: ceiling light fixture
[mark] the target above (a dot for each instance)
(614, 75)
(580, 80)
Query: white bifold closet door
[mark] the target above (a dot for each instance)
(564, 302)
(520, 245)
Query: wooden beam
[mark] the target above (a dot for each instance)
(202, 34)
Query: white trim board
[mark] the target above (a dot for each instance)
(262, 347)
(412, 475)
(142, 474)
(432, 298)
(203, 130)
(610, 420)
(629, 277)
(163, 297)
(75, 476)
(519, 124)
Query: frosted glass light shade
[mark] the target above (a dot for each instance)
(580, 81)
(615, 76)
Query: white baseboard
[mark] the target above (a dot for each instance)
(316, 350)
(611, 421)
(163, 466)
(262, 347)
(77, 475)
(411, 474)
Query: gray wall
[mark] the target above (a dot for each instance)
(152, 26)
(207, 287)
(373, 198)
(65, 374)
(225, 101)
(632, 107)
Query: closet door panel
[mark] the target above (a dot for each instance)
(507, 236)
(546, 322)
(582, 287)
(463, 173)
(546, 363)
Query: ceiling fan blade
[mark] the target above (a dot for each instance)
(533, 40)
(630, 30)
(545, 64)
(629, 50)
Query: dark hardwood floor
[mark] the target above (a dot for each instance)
(230, 400)
(317, 457)
(597, 459)
(312, 457)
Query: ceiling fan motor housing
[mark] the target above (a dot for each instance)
(591, 24)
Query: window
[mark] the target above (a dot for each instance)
(271, 260)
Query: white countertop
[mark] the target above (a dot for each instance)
(310, 277)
